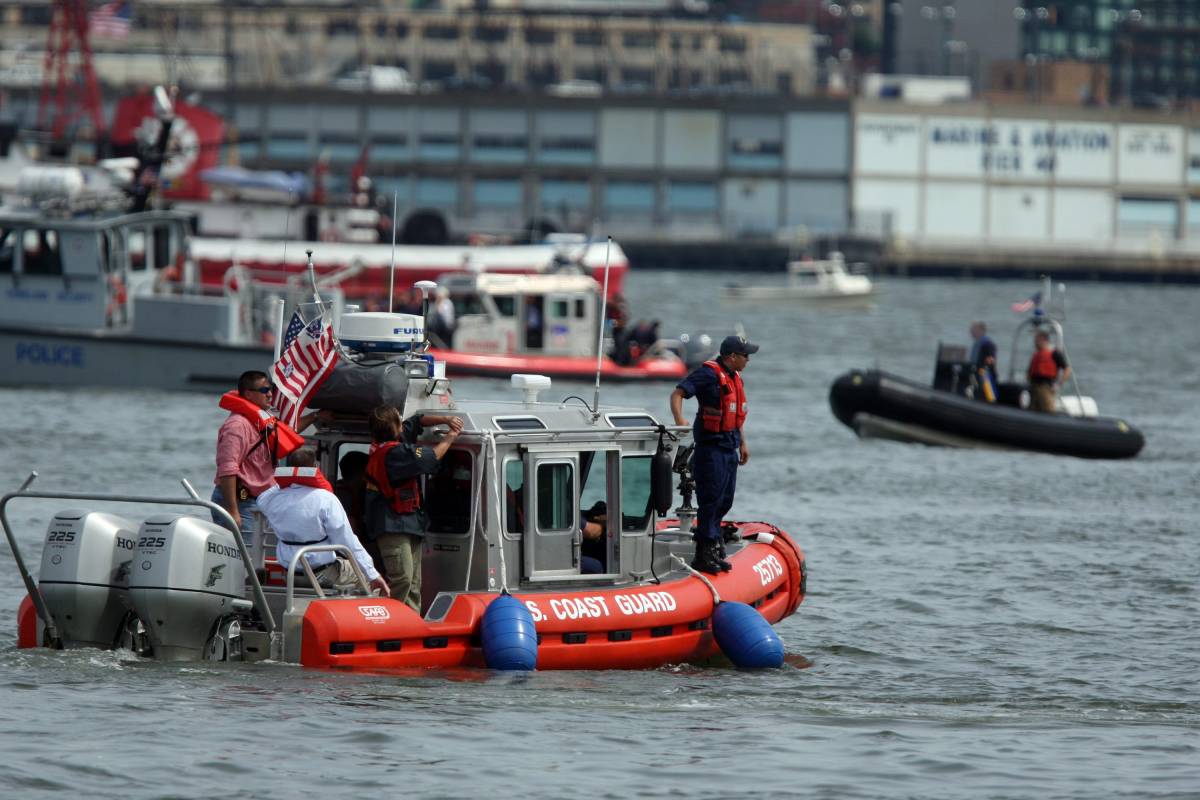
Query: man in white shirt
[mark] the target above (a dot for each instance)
(303, 510)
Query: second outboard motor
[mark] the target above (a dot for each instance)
(86, 564)
(188, 582)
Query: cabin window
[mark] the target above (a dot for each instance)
(7, 251)
(102, 249)
(560, 309)
(580, 308)
(162, 246)
(555, 503)
(593, 468)
(514, 497)
(41, 254)
(506, 305)
(448, 493)
(519, 423)
(635, 493)
(137, 248)
(467, 304)
(631, 421)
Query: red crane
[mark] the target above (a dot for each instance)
(72, 82)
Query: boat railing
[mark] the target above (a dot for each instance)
(193, 499)
(300, 558)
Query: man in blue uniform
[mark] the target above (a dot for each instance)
(720, 443)
(983, 350)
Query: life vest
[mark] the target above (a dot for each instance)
(276, 434)
(403, 499)
(732, 412)
(301, 476)
(1042, 365)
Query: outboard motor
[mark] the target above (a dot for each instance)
(953, 371)
(86, 564)
(188, 586)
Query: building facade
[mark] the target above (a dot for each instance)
(1028, 178)
(1150, 46)
(282, 45)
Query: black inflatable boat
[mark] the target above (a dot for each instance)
(878, 404)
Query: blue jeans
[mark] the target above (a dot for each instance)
(715, 471)
(246, 509)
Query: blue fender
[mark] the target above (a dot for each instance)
(508, 635)
(745, 636)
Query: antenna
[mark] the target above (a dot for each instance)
(600, 336)
(312, 279)
(392, 271)
(287, 226)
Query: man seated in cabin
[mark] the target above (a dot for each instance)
(593, 524)
(303, 510)
(1048, 369)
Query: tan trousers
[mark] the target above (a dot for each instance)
(402, 562)
(1043, 397)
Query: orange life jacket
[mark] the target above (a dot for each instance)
(403, 499)
(732, 412)
(301, 476)
(1042, 365)
(276, 434)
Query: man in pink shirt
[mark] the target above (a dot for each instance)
(249, 443)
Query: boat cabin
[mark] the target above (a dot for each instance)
(553, 314)
(506, 504)
(128, 275)
(84, 272)
(826, 276)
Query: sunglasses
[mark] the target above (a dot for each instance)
(264, 389)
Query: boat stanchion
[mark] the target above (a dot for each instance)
(508, 635)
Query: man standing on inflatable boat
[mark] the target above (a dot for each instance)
(720, 443)
(393, 512)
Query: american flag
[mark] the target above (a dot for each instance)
(309, 355)
(1026, 305)
(112, 20)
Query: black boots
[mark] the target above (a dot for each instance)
(710, 558)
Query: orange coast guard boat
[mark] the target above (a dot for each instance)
(509, 582)
(545, 325)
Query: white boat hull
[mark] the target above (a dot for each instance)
(47, 357)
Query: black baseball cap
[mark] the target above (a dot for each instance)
(737, 344)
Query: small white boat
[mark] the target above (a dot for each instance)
(824, 282)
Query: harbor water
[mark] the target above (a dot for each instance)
(979, 623)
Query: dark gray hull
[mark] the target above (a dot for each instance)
(877, 403)
(30, 357)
